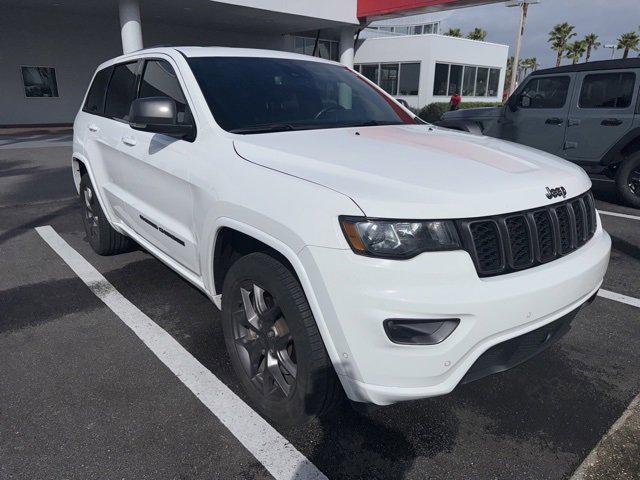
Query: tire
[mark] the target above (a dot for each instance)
(101, 236)
(294, 348)
(628, 180)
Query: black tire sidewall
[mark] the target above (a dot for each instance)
(630, 164)
(96, 242)
(108, 241)
(311, 385)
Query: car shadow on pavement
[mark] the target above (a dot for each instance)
(625, 247)
(606, 191)
(36, 222)
(368, 442)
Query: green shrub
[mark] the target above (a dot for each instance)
(433, 112)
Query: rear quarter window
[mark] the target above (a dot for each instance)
(607, 90)
(95, 98)
(121, 91)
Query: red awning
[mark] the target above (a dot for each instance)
(394, 8)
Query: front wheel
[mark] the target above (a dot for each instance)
(274, 343)
(628, 180)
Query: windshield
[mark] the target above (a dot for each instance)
(259, 95)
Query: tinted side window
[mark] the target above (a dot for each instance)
(121, 91)
(494, 82)
(440, 79)
(389, 78)
(549, 92)
(409, 78)
(95, 97)
(371, 72)
(607, 90)
(159, 80)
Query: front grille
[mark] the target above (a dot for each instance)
(487, 245)
(516, 241)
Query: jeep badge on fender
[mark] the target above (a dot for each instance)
(556, 192)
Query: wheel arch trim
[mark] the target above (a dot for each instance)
(76, 160)
(614, 154)
(300, 270)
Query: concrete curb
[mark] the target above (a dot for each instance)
(16, 131)
(617, 454)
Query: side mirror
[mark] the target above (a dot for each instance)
(158, 115)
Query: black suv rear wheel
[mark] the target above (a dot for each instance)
(628, 180)
(274, 343)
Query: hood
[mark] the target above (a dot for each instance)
(473, 113)
(417, 171)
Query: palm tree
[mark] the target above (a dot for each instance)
(576, 50)
(507, 77)
(453, 32)
(592, 44)
(477, 34)
(522, 69)
(529, 64)
(533, 64)
(628, 41)
(559, 37)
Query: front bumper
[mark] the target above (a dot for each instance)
(356, 294)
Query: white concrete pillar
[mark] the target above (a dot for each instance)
(347, 37)
(130, 26)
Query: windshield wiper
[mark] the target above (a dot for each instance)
(273, 127)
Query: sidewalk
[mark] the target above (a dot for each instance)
(617, 455)
(15, 131)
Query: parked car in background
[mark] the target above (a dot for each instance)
(349, 246)
(586, 113)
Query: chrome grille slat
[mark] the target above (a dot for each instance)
(521, 240)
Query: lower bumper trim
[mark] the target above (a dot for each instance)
(515, 351)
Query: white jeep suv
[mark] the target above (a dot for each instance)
(349, 245)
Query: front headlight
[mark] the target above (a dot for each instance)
(399, 239)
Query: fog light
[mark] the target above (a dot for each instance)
(419, 332)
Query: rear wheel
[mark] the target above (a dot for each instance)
(101, 236)
(274, 342)
(628, 180)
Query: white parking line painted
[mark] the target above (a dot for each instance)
(278, 456)
(618, 297)
(615, 214)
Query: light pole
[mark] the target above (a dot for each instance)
(524, 8)
(613, 49)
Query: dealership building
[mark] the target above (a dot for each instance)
(411, 59)
(50, 48)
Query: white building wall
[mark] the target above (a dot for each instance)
(429, 49)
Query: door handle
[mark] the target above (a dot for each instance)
(129, 141)
(93, 128)
(573, 122)
(554, 121)
(611, 122)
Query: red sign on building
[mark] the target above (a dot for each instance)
(394, 8)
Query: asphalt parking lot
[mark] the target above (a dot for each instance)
(81, 396)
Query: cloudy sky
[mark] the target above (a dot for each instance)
(607, 18)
